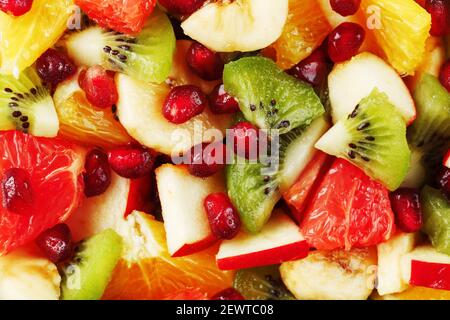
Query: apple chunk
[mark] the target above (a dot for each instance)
(280, 240)
(353, 80)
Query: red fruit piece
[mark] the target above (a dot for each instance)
(313, 69)
(444, 75)
(246, 140)
(205, 63)
(228, 294)
(205, 159)
(56, 243)
(97, 175)
(16, 7)
(443, 181)
(53, 167)
(223, 218)
(349, 210)
(184, 103)
(125, 16)
(132, 162)
(183, 7)
(54, 67)
(440, 16)
(220, 102)
(16, 190)
(406, 206)
(344, 41)
(345, 7)
(99, 86)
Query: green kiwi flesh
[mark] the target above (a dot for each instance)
(88, 273)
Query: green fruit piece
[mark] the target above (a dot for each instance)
(147, 56)
(26, 105)
(262, 283)
(270, 98)
(86, 276)
(373, 137)
(436, 214)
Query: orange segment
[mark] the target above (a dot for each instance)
(420, 293)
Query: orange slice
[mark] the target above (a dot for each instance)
(419, 293)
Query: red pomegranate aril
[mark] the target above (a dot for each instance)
(345, 7)
(99, 87)
(345, 41)
(183, 103)
(56, 243)
(205, 63)
(16, 7)
(223, 218)
(183, 7)
(97, 175)
(444, 75)
(246, 139)
(132, 162)
(313, 69)
(443, 181)
(16, 190)
(205, 159)
(405, 203)
(228, 294)
(54, 67)
(220, 102)
(440, 16)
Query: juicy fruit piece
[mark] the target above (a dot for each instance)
(345, 7)
(447, 160)
(228, 294)
(206, 159)
(332, 275)
(54, 67)
(124, 16)
(223, 217)
(420, 293)
(220, 102)
(436, 212)
(344, 41)
(262, 283)
(183, 103)
(46, 21)
(99, 87)
(406, 206)
(249, 30)
(351, 81)
(373, 137)
(146, 56)
(97, 175)
(444, 75)
(246, 140)
(183, 7)
(261, 88)
(16, 191)
(349, 210)
(305, 29)
(405, 26)
(207, 64)
(313, 69)
(16, 7)
(86, 276)
(440, 16)
(56, 243)
(53, 166)
(26, 105)
(132, 162)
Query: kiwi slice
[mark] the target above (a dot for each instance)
(262, 283)
(26, 105)
(436, 214)
(270, 98)
(147, 56)
(86, 276)
(373, 137)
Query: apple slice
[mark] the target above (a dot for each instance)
(185, 220)
(447, 159)
(425, 267)
(280, 240)
(109, 209)
(351, 81)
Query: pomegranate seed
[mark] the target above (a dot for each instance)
(54, 67)
(440, 16)
(246, 139)
(345, 7)
(56, 243)
(444, 181)
(132, 162)
(97, 176)
(99, 86)
(16, 190)
(184, 103)
(406, 206)
(221, 102)
(205, 63)
(228, 294)
(345, 41)
(16, 7)
(206, 159)
(313, 69)
(223, 217)
(444, 75)
(183, 7)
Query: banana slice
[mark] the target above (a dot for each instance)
(238, 25)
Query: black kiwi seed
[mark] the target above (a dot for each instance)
(352, 154)
(24, 118)
(14, 99)
(125, 47)
(352, 145)
(107, 49)
(25, 125)
(266, 178)
(370, 138)
(273, 102)
(354, 112)
(19, 95)
(252, 107)
(114, 108)
(122, 57)
(116, 117)
(33, 91)
(16, 114)
(366, 159)
(261, 105)
(13, 104)
(115, 52)
(267, 191)
(363, 126)
(8, 90)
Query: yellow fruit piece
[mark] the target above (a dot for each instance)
(23, 39)
(305, 30)
(418, 293)
(401, 29)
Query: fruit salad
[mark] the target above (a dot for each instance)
(224, 150)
